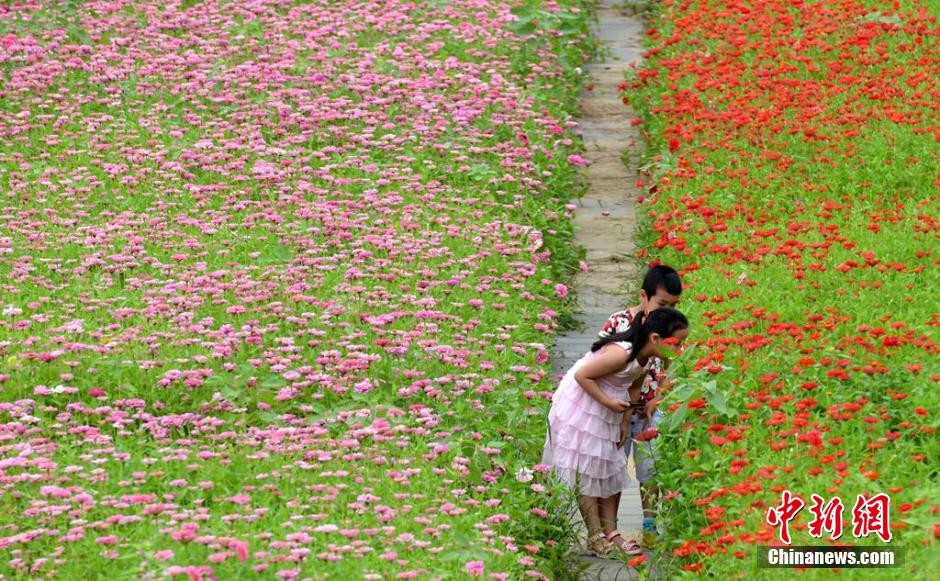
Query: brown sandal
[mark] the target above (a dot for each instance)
(630, 548)
(597, 547)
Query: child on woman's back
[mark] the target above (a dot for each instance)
(590, 416)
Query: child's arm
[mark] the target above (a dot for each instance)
(635, 388)
(607, 361)
(634, 397)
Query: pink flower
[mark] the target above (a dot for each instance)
(54, 491)
(475, 568)
(241, 550)
(561, 290)
(577, 160)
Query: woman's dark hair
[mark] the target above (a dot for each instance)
(664, 321)
(662, 277)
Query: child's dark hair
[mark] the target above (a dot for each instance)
(664, 321)
(662, 277)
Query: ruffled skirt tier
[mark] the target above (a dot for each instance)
(581, 444)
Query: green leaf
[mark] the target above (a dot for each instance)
(464, 555)
(231, 393)
(718, 401)
(522, 28)
(268, 416)
(682, 357)
(672, 421)
(684, 392)
(523, 12)
(879, 17)
(570, 28)
(216, 380)
(474, 475)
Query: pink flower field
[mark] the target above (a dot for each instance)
(276, 289)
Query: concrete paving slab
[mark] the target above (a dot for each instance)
(604, 223)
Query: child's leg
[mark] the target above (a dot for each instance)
(649, 493)
(607, 507)
(616, 498)
(589, 512)
(644, 458)
(608, 510)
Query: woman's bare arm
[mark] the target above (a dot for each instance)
(633, 395)
(609, 360)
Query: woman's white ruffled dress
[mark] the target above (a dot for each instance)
(581, 444)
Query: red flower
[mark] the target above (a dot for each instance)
(646, 435)
(695, 404)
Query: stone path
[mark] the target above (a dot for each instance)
(604, 225)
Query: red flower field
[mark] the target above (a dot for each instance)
(794, 179)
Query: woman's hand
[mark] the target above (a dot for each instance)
(617, 405)
(624, 434)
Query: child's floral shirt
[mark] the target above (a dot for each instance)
(620, 322)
